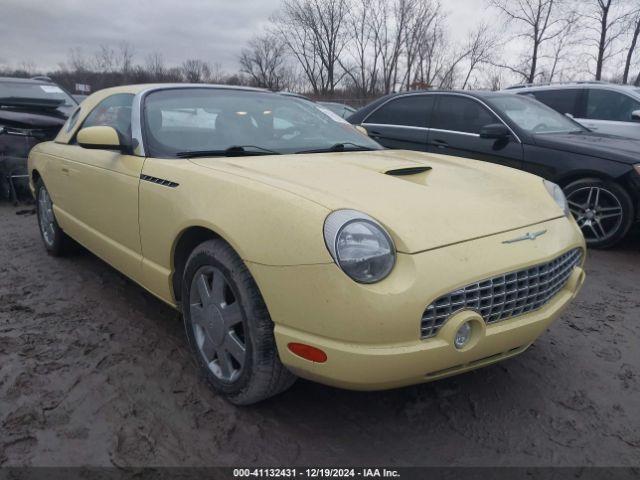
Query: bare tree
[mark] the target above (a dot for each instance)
(77, 60)
(124, 59)
(480, 49)
(607, 24)
(432, 57)
(565, 46)
(195, 71)
(634, 25)
(216, 74)
(494, 78)
(362, 68)
(538, 24)
(28, 67)
(104, 59)
(154, 65)
(389, 23)
(314, 32)
(264, 61)
(423, 15)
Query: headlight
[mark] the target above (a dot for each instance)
(558, 195)
(359, 245)
(637, 167)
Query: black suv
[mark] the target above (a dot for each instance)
(600, 174)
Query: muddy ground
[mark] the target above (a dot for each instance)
(95, 371)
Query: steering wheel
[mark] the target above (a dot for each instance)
(539, 126)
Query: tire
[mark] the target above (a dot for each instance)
(56, 242)
(603, 209)
(222, 310)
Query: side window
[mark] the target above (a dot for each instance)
(461, 114)
(563, 101)
(113, 111)
(411, 110)
(608, 105)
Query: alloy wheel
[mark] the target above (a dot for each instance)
(217, 322)
(597, 210)
(46, 218)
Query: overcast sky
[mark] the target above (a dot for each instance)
(42, 32)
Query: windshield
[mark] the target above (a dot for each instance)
(179, 121)
(35, 91)
(533, 116)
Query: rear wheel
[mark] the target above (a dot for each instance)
(54, 239)
(604, 211)
(229, 328)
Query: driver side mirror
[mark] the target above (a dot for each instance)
(635, 116)
(494, 131)
(100, 138)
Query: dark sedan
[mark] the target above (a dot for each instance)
(600, 174)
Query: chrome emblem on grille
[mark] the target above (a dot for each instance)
(526, 236)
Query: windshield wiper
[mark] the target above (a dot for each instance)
(233, 151)
(339, 147)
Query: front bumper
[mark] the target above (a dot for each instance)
(371, 333)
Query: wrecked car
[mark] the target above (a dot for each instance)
(31, 111)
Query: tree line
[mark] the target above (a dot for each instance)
(374, 47)
(365, 48)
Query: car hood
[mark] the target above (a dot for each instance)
(610, 147)
(454, 201)
(31, 119)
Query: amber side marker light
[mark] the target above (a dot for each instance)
(308, 352)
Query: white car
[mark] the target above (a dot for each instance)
(599, 106)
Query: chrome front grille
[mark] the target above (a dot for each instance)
(503, 296)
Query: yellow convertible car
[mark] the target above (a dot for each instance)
(294, 245)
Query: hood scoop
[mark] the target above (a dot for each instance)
(403, 172)
(410, 174)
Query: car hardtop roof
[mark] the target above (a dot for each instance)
(149, 87)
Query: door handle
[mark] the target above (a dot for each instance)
(440, 143)
(65, 170)
(373, 133)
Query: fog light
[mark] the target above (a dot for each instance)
(463, 335)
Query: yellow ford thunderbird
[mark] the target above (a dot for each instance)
(294, 245)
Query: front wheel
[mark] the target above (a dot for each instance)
(54, 239)
(603, 210)
(229, 328)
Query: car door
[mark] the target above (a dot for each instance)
(455, 130)
(608, 111)
(103, 190)
(401, 123)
